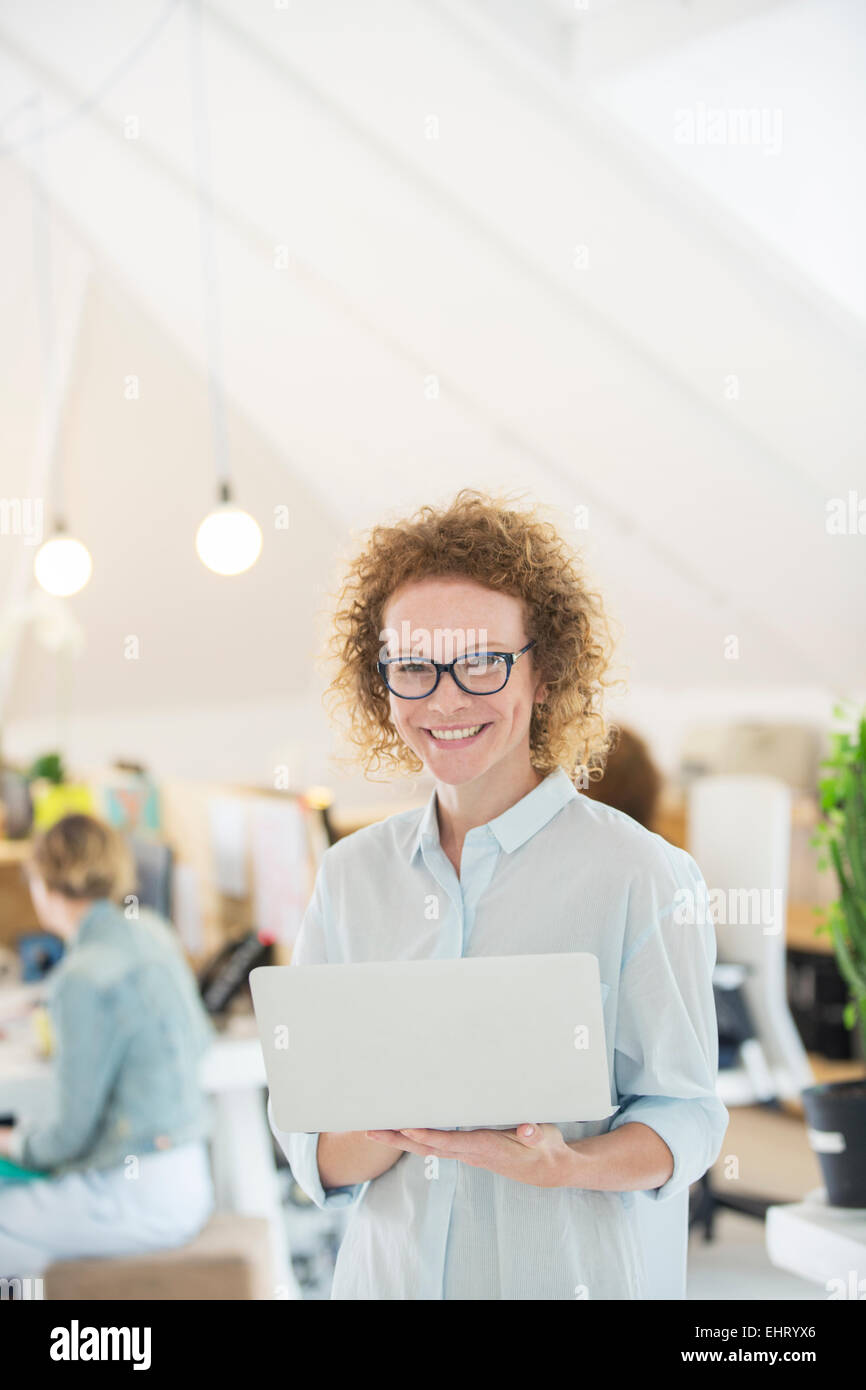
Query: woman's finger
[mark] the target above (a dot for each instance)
(395, 1140)
(530, 1135)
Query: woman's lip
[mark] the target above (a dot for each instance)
(462, 741)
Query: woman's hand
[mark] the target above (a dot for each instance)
(350, 1157)
(535, 1154)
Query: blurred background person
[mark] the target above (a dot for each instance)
(631, 780)
(123, 1159)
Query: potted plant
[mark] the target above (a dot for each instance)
(48, 767)
(836, 1111)
(54, 796)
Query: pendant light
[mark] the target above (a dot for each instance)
(62, 565)
(228, 540)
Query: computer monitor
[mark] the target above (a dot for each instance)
(153, 863)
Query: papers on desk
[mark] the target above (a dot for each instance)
(17, 1001)
(228, 838)
(281, 859)
(186, 908)
(262, 845)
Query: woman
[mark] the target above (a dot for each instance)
(124, 1153)
(507, 858)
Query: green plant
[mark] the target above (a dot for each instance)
(49, 766)
(841, 839)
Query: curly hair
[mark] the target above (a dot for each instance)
(486, 539)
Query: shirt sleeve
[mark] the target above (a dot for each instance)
(311, 948)
(667, 1044)
(88, 1052)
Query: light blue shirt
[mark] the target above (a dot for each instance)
(555, 872)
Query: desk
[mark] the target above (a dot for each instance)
(820, 1243)
(233, 1074)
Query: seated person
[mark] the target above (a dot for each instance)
(123, 1157)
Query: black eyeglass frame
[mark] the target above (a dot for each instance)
(443, 666)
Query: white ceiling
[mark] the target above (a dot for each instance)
(700, 392)
(797, 69)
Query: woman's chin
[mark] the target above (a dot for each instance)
(452, 778)
(457, 770)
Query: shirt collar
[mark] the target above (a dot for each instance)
(102, 913)
(514, 826)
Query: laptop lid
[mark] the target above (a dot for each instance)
(469, 1042)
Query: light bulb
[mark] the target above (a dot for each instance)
(318, 798)
(228, 541)
(62, 566)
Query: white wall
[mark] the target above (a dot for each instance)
(245, 743)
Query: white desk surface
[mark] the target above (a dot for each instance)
(234, 1062)
(816, 1241)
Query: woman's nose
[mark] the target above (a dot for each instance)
(448, 697)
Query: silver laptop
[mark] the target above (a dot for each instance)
(441, 1044)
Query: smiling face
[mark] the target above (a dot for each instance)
(498, 724)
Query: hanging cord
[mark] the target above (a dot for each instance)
(204, 184)
(43, 270)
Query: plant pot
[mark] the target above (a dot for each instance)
(836, 1118)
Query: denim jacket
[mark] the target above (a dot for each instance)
(129, 1032)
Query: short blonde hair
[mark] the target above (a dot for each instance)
(82, 857)
(504, 547)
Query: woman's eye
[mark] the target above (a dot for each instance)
(482, 663)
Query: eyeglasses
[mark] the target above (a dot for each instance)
(482, 674)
